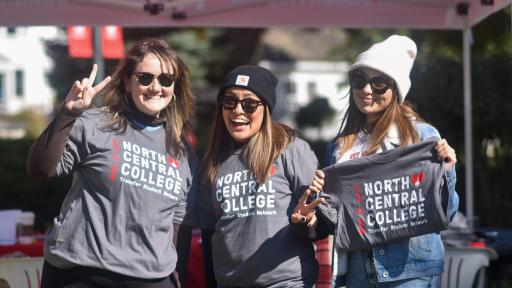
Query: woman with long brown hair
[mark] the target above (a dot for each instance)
(132, 172)
(378, 120)
(257, 173)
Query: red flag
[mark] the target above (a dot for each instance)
(112, 46)
(80, 41)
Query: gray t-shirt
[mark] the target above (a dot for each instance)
(127, 192)
(387, 196)
(254, 244)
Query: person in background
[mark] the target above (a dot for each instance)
(377, 120)
(133, 174)
(258, 225)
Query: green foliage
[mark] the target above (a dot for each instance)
(315, 114)
(19, 191)
(320, 149)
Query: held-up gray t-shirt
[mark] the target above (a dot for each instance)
(254, 244)
(127, 192)
(400, 193)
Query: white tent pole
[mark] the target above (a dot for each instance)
(468, 133)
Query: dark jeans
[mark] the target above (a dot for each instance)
(86, 277)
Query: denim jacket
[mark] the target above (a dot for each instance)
(418, 256)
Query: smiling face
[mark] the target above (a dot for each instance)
(242, 126)
(153, 98)
(369, 102)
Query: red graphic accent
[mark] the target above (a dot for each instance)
(361, 229)
(173, 162)
(273, 170)
(115, 145)
(416, 179)
(354, 155)
(113, 173)
(116, 148)
(359, 197)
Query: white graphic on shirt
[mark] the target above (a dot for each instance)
(239, 195)
(392, 203)
(142, 167)
(387, 204)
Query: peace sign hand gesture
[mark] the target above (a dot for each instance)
(304, 212)
(80, 96)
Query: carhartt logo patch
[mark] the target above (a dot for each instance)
(242, 80)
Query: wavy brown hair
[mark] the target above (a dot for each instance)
(354, 121)
(258, 154)
(176, 115)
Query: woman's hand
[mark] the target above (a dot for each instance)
(80, 96)
(304, 212)
(447, 153)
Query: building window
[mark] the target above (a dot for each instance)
(312, 89)
(2, 87)
(20, 83)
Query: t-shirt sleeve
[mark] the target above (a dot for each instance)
(300, 164)
(187, 212)
(59, 149)
(206, 210)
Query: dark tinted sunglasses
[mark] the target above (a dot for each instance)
(145, 79)
(379, 84)
(248, 105)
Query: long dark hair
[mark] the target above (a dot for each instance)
(258, 154)
(354, 121)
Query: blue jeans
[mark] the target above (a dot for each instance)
(361, 273)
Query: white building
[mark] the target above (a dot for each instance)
(24, 66)
(302, 81)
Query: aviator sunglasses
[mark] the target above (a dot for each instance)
(379, 84)
(145, 78)
(248, 105)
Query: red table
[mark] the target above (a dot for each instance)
(33, 250)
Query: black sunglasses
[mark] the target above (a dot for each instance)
(379, 84)
(145, 78)
(248, 105)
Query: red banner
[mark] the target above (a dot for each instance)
(112, 46)
(80, 41)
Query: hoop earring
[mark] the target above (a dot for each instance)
(173, 97)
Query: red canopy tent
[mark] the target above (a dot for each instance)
(412, 14)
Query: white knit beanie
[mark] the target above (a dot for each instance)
(393, 57)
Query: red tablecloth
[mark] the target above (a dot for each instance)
(33, 250)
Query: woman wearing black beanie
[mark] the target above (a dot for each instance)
(256, 177)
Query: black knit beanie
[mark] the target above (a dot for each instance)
(251, 77)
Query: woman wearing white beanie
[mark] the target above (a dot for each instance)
(377, 119)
